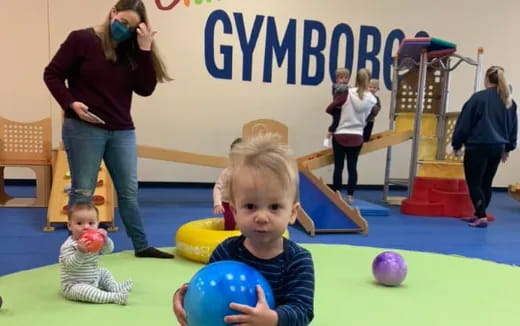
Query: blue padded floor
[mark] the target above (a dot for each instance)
(370, 209)
(24, 245)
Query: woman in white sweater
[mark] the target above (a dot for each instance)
(355, 107)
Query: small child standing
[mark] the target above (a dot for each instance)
(264, 199)
(373, 87)
(340, 87)
(221, 197)
(81, 278)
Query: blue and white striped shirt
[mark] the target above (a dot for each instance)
(290, 274)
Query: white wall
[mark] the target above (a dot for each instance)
(202, 114)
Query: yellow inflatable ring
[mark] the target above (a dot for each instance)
(196, 240)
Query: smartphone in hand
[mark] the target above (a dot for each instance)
(98, 119)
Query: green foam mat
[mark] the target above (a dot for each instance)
(439, 290)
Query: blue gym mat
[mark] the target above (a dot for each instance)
(370, 209)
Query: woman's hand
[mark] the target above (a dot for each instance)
(82, 111)
(457, 153)
(145, 37)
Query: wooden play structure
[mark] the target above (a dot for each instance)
(26, 145)
(250, 129)
(324, 210)
(171, 155)
(105, 192)
(420, 99)
(262, 126)
(103, 198)
(104, 195)
(514, 191)
(378, 141)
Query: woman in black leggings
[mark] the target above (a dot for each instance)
(487, 127)
(355, 106)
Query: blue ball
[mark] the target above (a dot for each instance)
(216, 285)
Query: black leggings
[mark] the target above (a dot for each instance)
(367, 132)
(352, 154)
(480, 166)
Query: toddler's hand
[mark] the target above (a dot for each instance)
(83, 245)
(103, 232)
(261, 315)
(218, 209)
(177, 303)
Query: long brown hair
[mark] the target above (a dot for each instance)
(129, 48)
(362, 81)
(495, 76)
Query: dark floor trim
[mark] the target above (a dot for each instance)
(20, 182)
(162, 184)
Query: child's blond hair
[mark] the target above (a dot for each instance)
(374, 83)
(342, 72)
(266, 152)
(362, 80)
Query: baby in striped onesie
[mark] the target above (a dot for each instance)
(81, 278)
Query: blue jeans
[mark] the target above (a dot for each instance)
(86, 145)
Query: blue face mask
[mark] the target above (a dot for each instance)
(119, 32)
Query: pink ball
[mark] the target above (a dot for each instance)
(97, 241)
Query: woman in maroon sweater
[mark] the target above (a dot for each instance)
(103, 66)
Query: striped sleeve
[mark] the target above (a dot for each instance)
(108, 247)
(298, 308)
(70, 257)
(221, 252)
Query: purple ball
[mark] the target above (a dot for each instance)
(389, 268)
